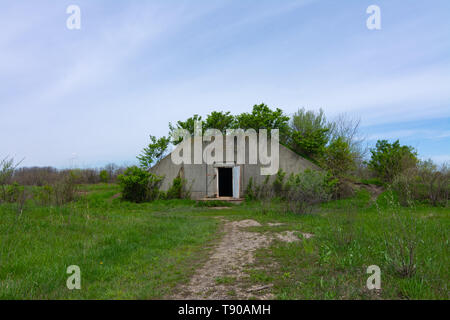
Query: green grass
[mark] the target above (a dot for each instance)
(124, 250)
(349, 236)
(213, 203)
(374, 181)
(144, 251)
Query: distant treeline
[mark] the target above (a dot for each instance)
(41, 176)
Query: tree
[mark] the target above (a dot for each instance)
(391, 159)
(104, 176)
(220, 120)
(310, 132)
(7, 168)
(154, 152)
(111, 169)
(347, 127)
(262, 117)
(339, 158)
(188, 125)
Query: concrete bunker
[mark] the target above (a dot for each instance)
(224, 179)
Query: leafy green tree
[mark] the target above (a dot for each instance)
(339, 158)
(220, 120)
(154, 152)
(188, 125)
(391, 159)
(262, 117)
(310, 133)
(104, 176)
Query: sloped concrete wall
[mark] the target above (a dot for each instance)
(202, 178)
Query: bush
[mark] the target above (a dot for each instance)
(65, 191)
(265, 194)
(306, 189)
(425, 183)
(403, 235)
(12, 193)
(250, 193)
(435, 182)
(342, 188)
(178, 189)
(278, 183)
(44, 195)
(139, 185)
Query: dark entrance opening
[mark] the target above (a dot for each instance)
(225, 182)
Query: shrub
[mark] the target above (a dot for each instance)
(178, 189)
(250, 193)
(12, 193)
(265, 194)
(43, 195)
(402, 235)
(342, 188)
(139, 185)
(278, 183)
(435, 182)
(424, 183)
(65, 191)
(304, 190)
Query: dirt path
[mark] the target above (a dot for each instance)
(223, 276)
(374, 190)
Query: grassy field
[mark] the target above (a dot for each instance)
(144, 251)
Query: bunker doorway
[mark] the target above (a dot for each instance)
(225, 182)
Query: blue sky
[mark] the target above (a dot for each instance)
(92, 96)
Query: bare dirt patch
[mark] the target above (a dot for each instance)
(117, 195)
(275, 224)
(288, 236)
(223, 275)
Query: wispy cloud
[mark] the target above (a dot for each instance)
(134, 66)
